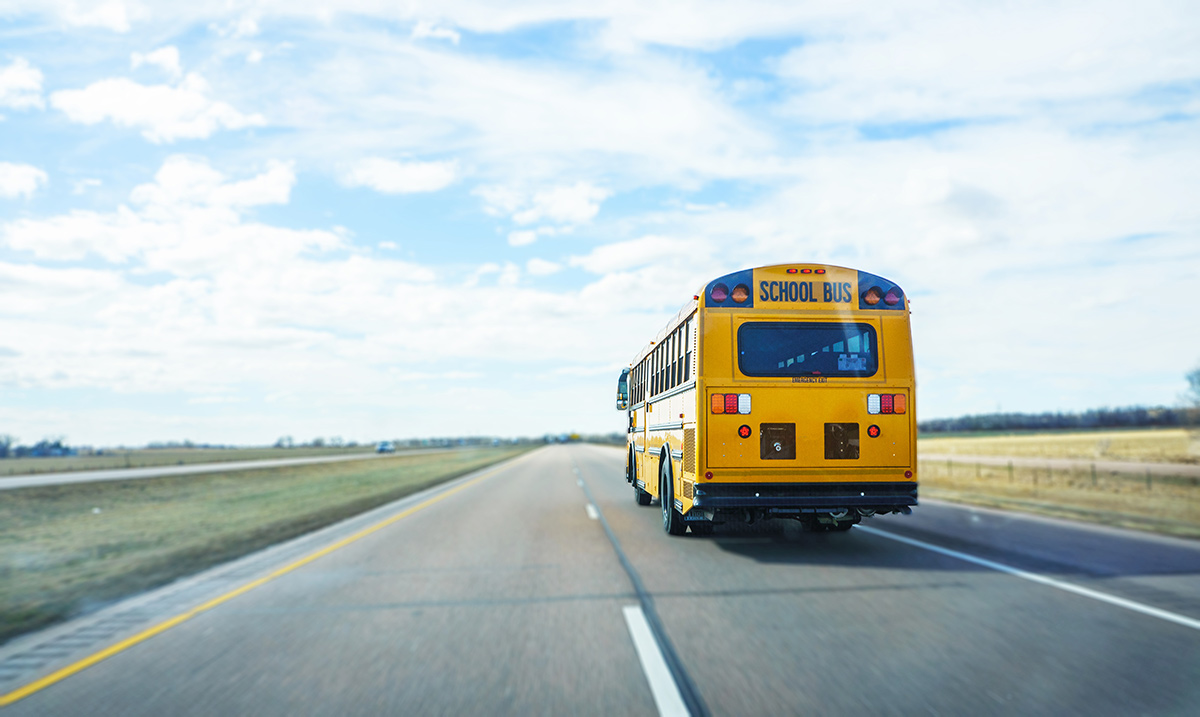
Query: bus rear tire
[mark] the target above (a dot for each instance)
(672, 520)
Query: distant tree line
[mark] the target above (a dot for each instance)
(1131, 417)
(44, 448)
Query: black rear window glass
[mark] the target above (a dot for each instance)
(779, 348)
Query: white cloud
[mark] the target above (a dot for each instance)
(425, 29)
(185, 181)
(939, 62)
(574, 204)
(392, 177)
(165, 58)
(541, 267)
(164, 113)
(185, 222)
(108, 15)
(20, 180)
(20, 85)
(522, 237)
(82, 185)
(565, 205)
(245, 26)
(627, 255)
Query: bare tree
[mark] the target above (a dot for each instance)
(1192, 397)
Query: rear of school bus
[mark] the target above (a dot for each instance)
(806, 398)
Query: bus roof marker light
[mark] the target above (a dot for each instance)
(741, 292)
(806, 271)
(720, 293)
(791, 271)
(820, 271)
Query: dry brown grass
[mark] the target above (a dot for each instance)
(1175, 445)
(66, 548)
(1168, 504)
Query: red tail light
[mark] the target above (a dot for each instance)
(731, 403)
(886, 403)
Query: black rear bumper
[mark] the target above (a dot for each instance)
(880, 496)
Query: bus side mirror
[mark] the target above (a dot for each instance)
(623, 390)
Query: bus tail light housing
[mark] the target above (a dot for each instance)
(735, 403)
(886, 403)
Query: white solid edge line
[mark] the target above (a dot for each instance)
(1034, 577)
(591, 511)
(662, 685)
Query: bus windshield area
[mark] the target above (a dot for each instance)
(778, 348)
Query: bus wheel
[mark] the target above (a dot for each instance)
(641, 496)
(672, 520)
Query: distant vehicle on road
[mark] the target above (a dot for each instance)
(778, 392)
(385, 447)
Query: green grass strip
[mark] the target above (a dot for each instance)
(70, 549)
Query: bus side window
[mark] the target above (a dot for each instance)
(690, 338)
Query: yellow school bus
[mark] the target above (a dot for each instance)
(779, 392)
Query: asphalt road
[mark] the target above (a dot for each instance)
(518, 593)
(66, 477)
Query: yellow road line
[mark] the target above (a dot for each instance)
(80, 665)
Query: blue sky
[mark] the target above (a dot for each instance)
(229, 225)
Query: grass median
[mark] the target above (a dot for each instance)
(68, 549)
(149, 457)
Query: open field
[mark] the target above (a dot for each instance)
(1172, 445)
(147, 457)
(64, 549)
(1130, 498)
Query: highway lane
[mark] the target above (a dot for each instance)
(508, 597)
(66, 477)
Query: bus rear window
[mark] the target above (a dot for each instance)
(779, 348)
